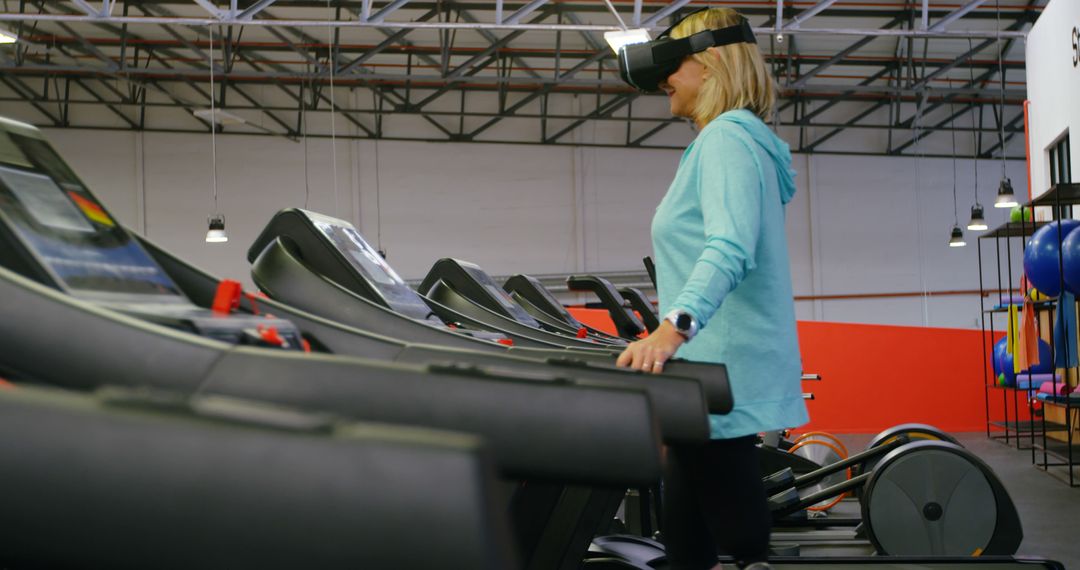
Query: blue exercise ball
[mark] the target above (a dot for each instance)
(1046, 364)
(1070, 259)
(1006, 365)
(1042, 256)
(1004, 362)
(999, 353)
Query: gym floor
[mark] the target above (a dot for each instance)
(1048, 507)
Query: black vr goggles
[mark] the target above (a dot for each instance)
(645, 65)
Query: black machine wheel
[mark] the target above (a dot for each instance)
(936, 498)
(915, 432)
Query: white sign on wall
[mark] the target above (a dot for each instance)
(1053, 82)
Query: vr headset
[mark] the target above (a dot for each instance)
(646, 64)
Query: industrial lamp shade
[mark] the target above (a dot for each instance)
(956, 237)
(978, 222)
(216, 231)
(1005, 196)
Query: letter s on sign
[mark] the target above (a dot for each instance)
(1076, 46)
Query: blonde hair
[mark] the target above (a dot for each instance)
(736, 74)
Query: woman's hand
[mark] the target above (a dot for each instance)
(651, 353)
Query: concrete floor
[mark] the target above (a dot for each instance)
(1049, 509)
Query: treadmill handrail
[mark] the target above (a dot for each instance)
(140, 353)
(673, 404)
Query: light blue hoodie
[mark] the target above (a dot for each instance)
(721, 255)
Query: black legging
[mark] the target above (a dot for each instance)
(714, 503)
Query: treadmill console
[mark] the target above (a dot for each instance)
(335, 249)
(530, 289)
(476, 284)
(54, 230)
(369, 263)
(68, 239)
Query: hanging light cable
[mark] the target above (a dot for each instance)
(956, 234)
(978, 220)
(215, 232)
(330, 31)
(1005, 196)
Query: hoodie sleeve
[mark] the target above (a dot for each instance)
(728, 183)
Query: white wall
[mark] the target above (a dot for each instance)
(1053, 78)
(857, 225)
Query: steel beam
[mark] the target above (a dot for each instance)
(226, 20)
(807, 14)
(830, 104)
(86, 7)
(249, 12)
(1012, 130)
(820, 140)
(804, 77)
(213, 10)
(257, 106)
(955, 15)
(664, 12)
(523, 11)
(390, 8)
(603, 111)
(131, 123)
(494, 40)
(29, 96)
(951, 65)
(952, 117)
(651, 132)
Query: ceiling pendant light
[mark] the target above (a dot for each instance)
(215, 233)
(978, 222)
(1005, 197)
(956, 237)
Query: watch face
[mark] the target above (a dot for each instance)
(682, 322)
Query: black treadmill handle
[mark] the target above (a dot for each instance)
(642, 305)
(628, 324)
(650, 268)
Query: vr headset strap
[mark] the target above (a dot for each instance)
(701, 41)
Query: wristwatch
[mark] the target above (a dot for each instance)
(684, 322)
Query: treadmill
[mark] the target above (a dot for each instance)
(74, 280)
(324, 266)
(541, 304)
(131, 479)
(467, 289)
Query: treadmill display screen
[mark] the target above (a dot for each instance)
(555, 304)
(67, 230)
(504, 299)
(370, 264)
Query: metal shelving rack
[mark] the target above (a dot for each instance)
(1010, 429)
(1059, 451)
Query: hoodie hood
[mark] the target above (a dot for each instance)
(776, 148)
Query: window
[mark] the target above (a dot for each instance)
(1060, 164)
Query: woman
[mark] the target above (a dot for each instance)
(724, 286)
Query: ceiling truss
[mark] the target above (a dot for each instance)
(889, 77)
